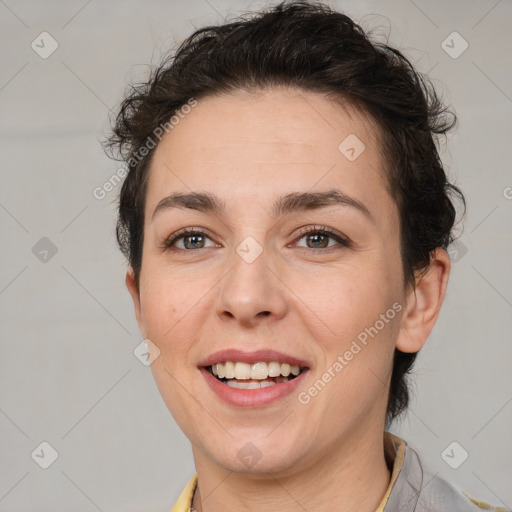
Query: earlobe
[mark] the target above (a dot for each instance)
(134, 292)
(424, 304)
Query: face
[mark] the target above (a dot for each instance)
(318, 281)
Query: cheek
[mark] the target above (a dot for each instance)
(165, 298)
(363, 318)
(164, 307)
(353, 299)
(362, 312)
(174, 309)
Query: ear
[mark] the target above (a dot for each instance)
(134, 292)
(423, 303)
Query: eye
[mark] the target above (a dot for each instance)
(192, 239)
(318, 237)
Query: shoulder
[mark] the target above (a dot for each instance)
(415, 489)
(184, 503)
(438, 495)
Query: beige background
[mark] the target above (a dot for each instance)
(67, 370)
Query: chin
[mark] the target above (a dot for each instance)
(258, 457)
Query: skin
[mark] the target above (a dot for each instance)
(249, 148)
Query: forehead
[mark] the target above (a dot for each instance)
(267, 143)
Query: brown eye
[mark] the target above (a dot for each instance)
(193, 241)
(318, 238)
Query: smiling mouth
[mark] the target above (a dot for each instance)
(254, 376)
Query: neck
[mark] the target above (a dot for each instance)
(354, 476)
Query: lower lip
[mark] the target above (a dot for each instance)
(251, 397)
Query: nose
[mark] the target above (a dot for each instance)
(251, 291)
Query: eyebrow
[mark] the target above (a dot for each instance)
(293, 202)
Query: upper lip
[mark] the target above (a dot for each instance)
(265, 355)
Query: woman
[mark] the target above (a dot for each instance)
(286, 217)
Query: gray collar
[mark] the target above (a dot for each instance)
(408, 484)
(416, 490)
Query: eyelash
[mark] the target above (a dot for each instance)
(322, 230)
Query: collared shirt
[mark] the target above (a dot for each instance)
(411, 488)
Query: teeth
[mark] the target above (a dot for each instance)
(229, 370)
(274, 369)
(295, 370)
(221, 371)
(258, 371)
(285, 370)
(253, 384)
(242, 371)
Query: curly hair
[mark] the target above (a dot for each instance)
(309, 46)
